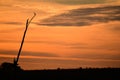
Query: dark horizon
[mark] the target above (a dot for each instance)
(10, 72)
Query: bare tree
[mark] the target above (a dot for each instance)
(20, 49)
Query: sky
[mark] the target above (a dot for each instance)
(64, 33)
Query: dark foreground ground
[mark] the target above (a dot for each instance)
(16, 73)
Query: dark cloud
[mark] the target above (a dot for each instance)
(84, 17)
(98, 56)
(11, 23)
(110, 47)
(27, 53)
(72, 2)
(79, 2)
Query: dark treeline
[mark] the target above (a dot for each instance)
(16, 73)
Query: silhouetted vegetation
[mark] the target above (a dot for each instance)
(10, 72)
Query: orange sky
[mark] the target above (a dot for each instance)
(64, 44)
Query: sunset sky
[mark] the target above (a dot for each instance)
(64, 33)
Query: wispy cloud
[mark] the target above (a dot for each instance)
(43, 55)
(84, 17)
(68, 44)
(27, 53)
(74, 2)
(97, 56)
(110, 47)
(10, 23)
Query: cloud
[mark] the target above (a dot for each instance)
(108, 52)
(97, 56)
(75, 2)
(67, 44)
(43, 55)
(66, 2)
(27, 53)
(114, 27)
(11, 23)
(84, 17)
(110, 47)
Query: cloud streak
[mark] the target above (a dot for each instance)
(27, 53)
(11, 23)
(84, 17)
(67, 44)
(97, 56)
(74, 2)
